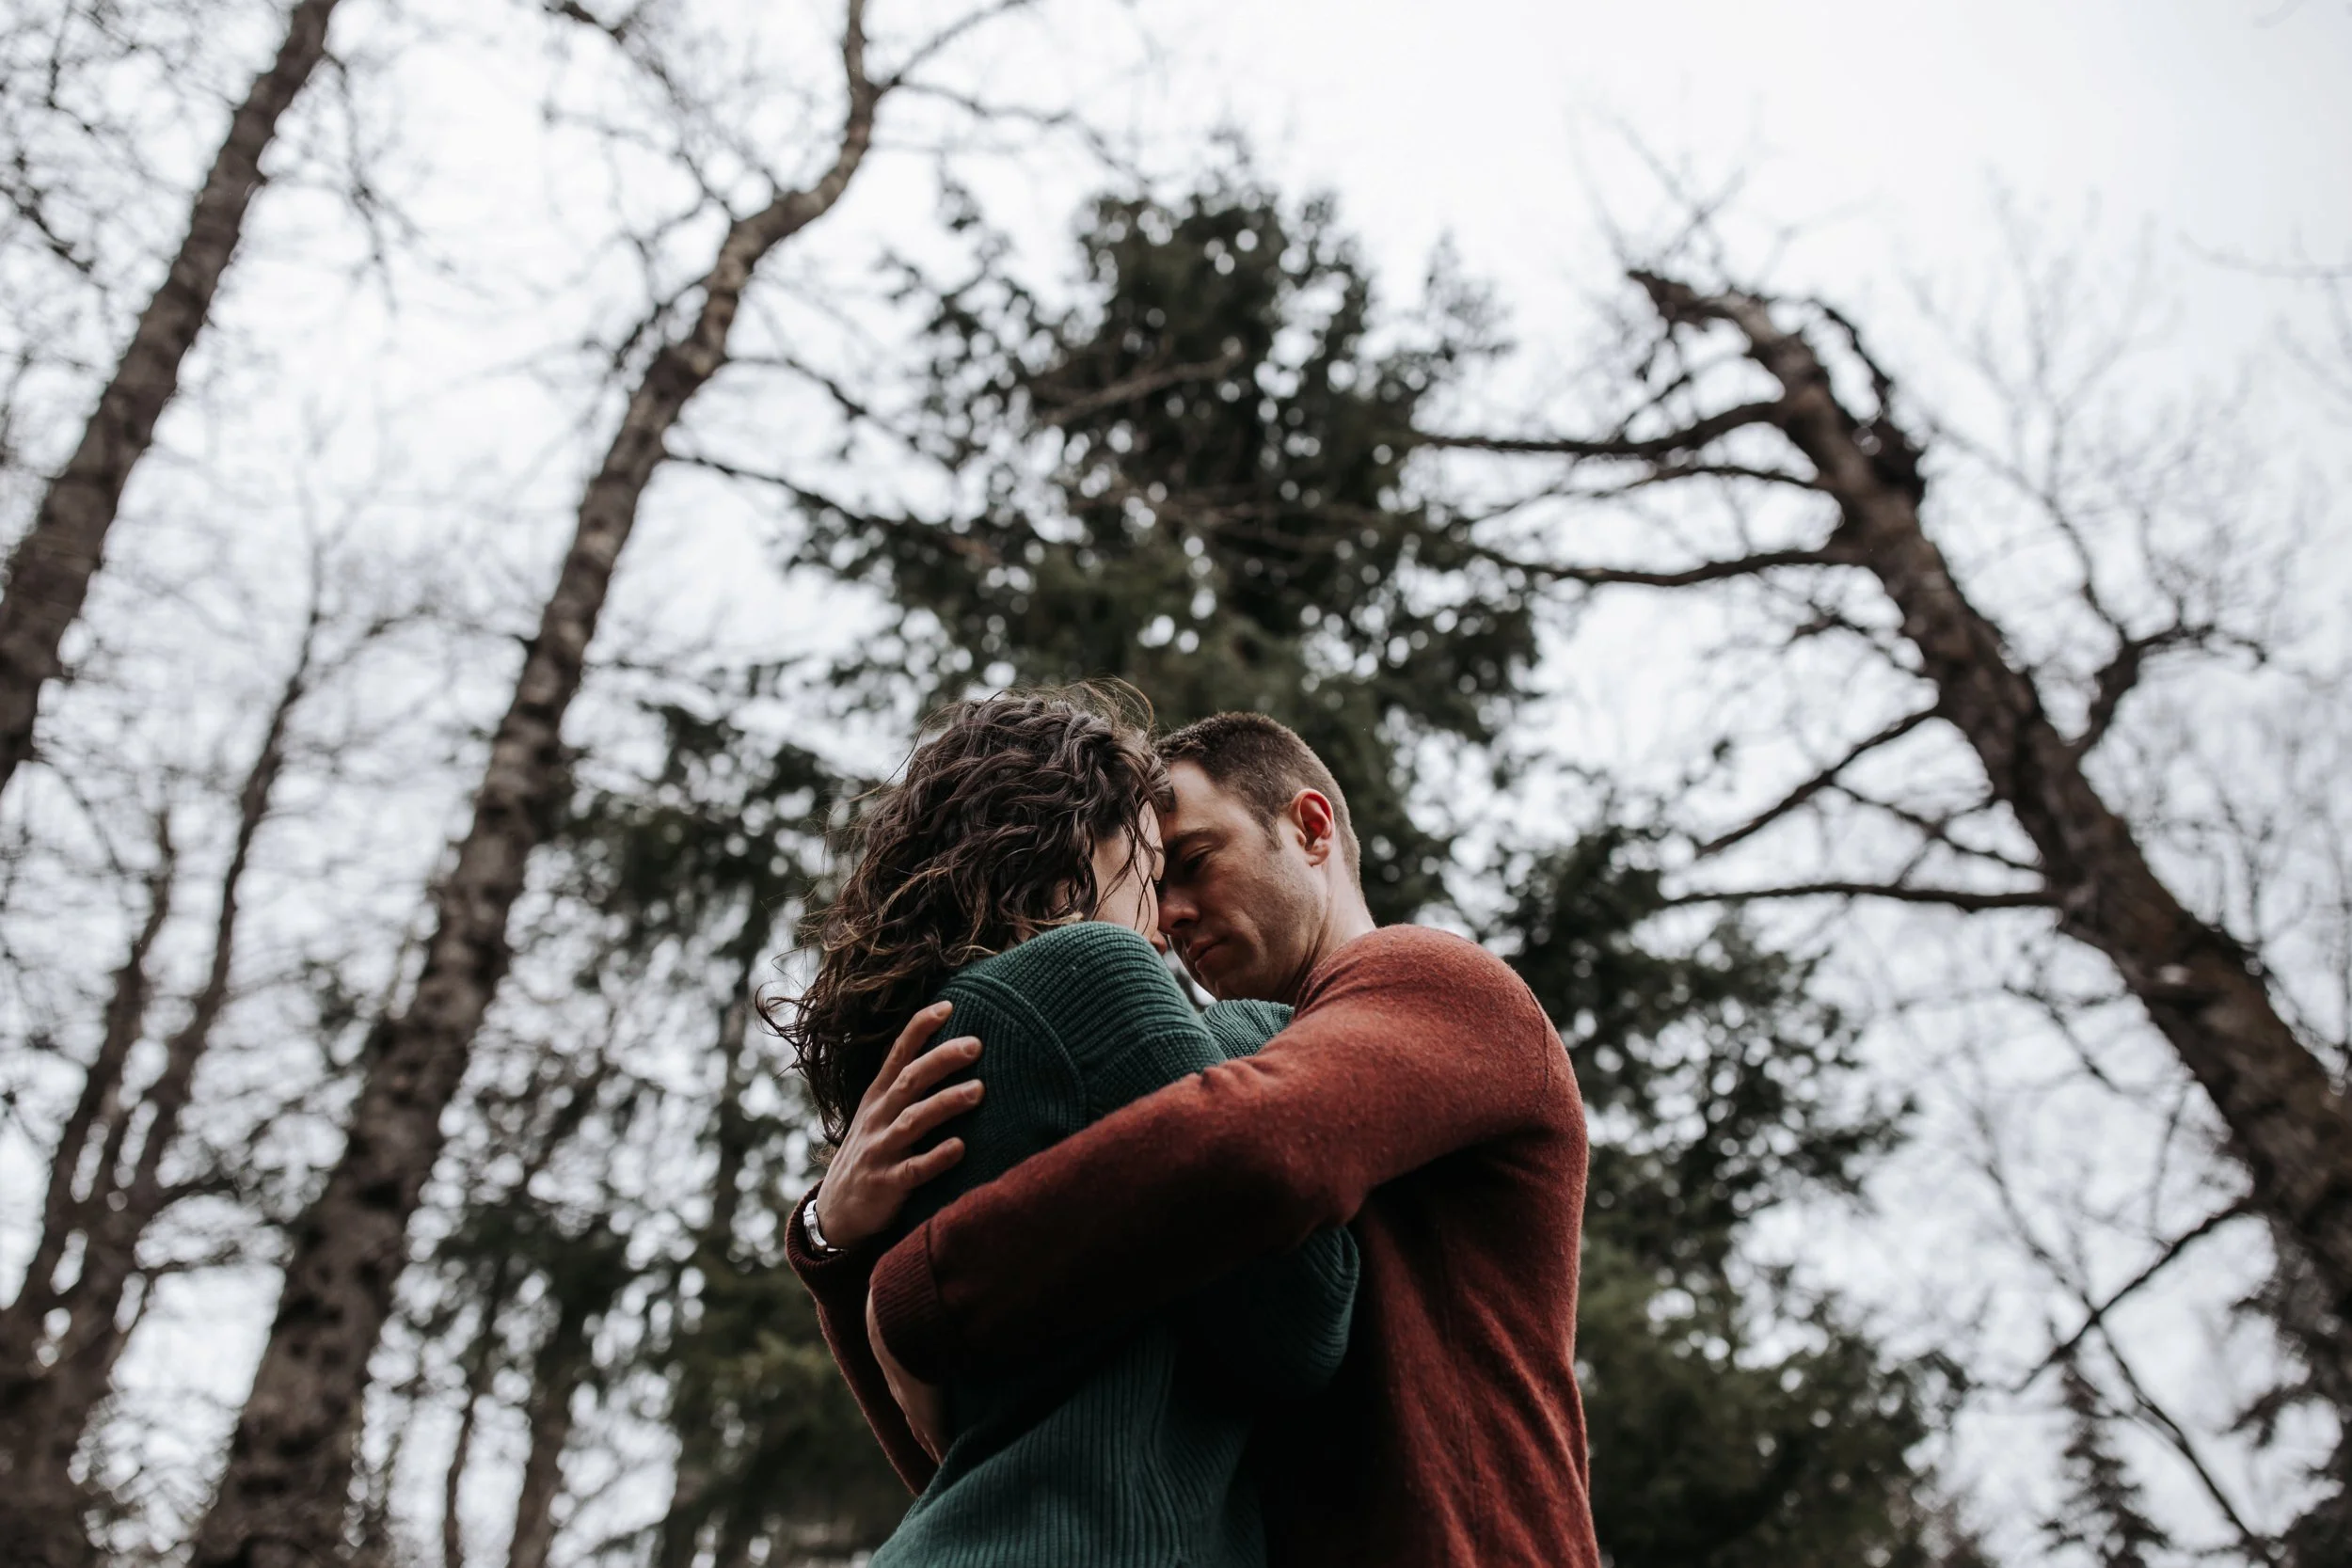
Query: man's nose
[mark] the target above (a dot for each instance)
(1176, 911)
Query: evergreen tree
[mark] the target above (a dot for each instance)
(1718, 1086)
(1196, 478)
(676, 889)
(718, 857)
(2105, 1512)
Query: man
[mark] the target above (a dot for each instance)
(1419, 1096)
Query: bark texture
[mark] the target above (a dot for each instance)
(40, 1507)
(50, 570)
(2286, 1123)
(284, 1493)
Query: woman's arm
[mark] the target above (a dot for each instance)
(885, 1154)
(838, 1282)
(1277, 1328)
(886, 1176)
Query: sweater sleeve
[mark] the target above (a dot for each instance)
(838, 1281)
(1037, 1098)
(1278, 1327)
(1275, 1328)
(1409, 1045)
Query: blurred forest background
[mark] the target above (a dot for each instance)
(487, 486)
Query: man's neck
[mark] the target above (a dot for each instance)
(1343, 922)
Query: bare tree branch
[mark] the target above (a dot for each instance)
(1690, 439)
(49, 572)
(1141, 384)
(1682, 577)
(2095, 1319)
(1952, 898)
(2287, 1123)
(1815, 784)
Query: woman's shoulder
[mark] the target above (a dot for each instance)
(1092, 982)
(1240, 1028)
(1093, 946)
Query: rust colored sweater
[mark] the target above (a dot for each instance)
(1420, 1097)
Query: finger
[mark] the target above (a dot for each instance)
(941, 1061)
(921, 1028)
(924, 1115)
(929, 1164)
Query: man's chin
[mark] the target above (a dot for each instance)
(1201, 962)
(1229, 982)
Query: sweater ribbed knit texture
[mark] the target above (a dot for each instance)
(1122, 1447)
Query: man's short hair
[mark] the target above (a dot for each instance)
(1263, 763)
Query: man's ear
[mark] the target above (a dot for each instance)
(1318, 824)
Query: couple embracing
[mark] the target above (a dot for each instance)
(1122, 1282)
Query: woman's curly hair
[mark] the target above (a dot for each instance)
(987, 838)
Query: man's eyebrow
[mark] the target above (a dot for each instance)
(1177, 844)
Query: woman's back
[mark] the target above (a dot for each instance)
(1126, 1449)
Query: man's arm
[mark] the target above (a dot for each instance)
(838, 1281)
(1413, 1045)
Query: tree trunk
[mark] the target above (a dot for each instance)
(284, 1493)
(40, 1506)
(557, 1374)
(480, 1366)
(94, 1111)
(48, 573)
(44, 1410)
(2285, 1121)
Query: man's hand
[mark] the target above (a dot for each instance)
(926, 1409)
(875, 1167)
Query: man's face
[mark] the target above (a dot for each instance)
(1238, 897)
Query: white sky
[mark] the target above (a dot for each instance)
(1882, 123)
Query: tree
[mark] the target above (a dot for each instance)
(2106, 1516)
(723, 851)
(282, 1498)
(1822, 486)
(111, 1176)
(1718, 1086)
(675, 886)
(50, 569)
(1194, 478)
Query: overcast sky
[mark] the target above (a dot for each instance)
(1882, 125)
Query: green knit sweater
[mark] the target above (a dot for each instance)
(1126, 1450)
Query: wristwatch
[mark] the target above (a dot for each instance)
(808, 1226)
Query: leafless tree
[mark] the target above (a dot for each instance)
(50, 569)
(1825, 484)
(110, 1180)
(2288, 1123)
(284, 1498)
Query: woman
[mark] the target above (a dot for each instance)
(1010, 872)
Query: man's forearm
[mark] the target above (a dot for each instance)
(998, 1276)
(1420, 1046)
